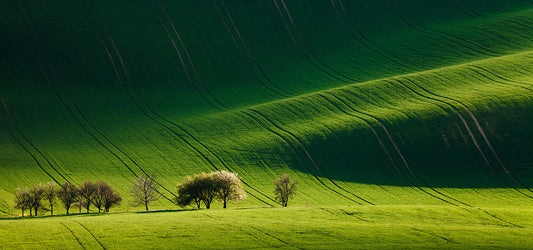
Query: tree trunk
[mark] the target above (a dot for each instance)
(225, 203)
(30, 212)
(22, 212)
(146, 205)
(51, 209)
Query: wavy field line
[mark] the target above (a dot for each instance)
(293, 150)
(254, 61)
(160, 117)
(380, 50)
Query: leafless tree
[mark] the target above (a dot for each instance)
(85, 193)
(229, 187)
(36, 198)
(144, 191)
(68, 195)
(23, 199)
(285, 188)
(50, 194)
(104, 196)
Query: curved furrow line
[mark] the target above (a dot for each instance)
(198, 79)
(293, 150)
(345, 152)
(73, 235)
(378, 138)
(463, 203)
(468, 9)
(91, 233)
(279, 90)
(301, 50)
(162, 118)
(55, 73)
(504, 79)
(31, 144)
(481, 131)
(463, 9)
(457, 40)
(378, 48)
(472, 136)
(309, 155)
(26, 149)
(306, 45)
(404, 160)
(180, 57)
(414, 185)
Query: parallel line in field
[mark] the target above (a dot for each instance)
(293, 150)
(379, 49)
(143, 111)
(26, 150)
(374, 132)
(91, 233)
(306, 45)
(55, 73)
(191, 63)
(305, 55)
(248, 52)
(73, 235)
(397, 150)
(308, 155)
(411, 22)
(477, 125)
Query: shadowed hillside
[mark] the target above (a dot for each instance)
(365, 102)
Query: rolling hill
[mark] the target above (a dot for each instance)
(400, 102)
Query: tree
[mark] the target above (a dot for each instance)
(199, 188)
(36, 198)
(144, 191)
(229, 187)
(85, 193)
(104, 196)
(188, 192)
(285, 188)
(23, 199)
(50, 194)
(68, 194)
(111, 199)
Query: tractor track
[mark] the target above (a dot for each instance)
(275, 88)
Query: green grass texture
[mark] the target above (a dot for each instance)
(386, 103)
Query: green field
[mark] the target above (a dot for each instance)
(407, 122)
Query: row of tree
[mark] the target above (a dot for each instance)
(203, 188)
(42, 197)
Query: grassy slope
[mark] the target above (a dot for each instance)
(364, 227)
(406, 70)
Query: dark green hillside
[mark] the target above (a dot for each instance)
(366, 102)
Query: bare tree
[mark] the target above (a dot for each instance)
(144, 191)
(68, 195)
(229, 187)
(85, 193)
(285, 188)
(36, 198)
(23, 199)
(50, 194)
(98, 196)
(104, 196)
(112, 199)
